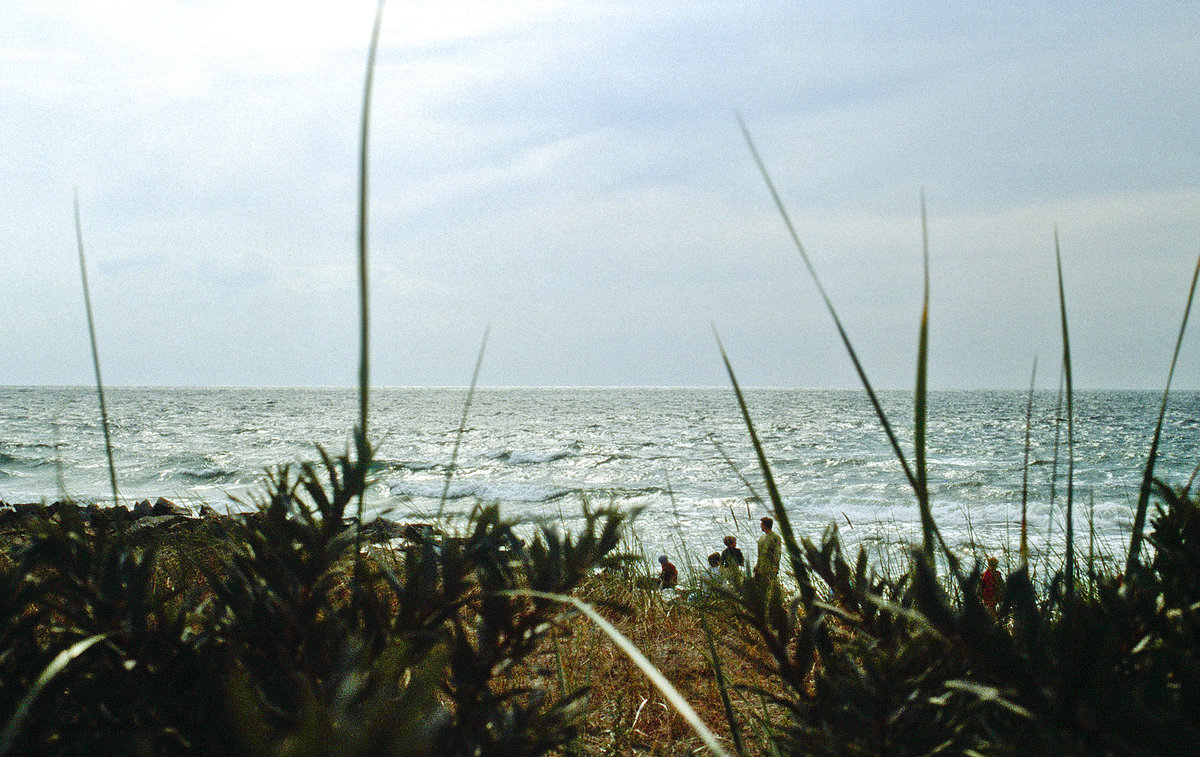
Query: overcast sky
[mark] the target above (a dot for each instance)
(573, 175)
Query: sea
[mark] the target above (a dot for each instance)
(681, 458)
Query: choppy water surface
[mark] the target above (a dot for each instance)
(540, 452)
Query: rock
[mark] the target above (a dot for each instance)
(382, 529)
(418, 532)
(62, 507)
(29, 509)
(143, 509)
(164, 506)
(208, 512)
(110, 514)
(154, 522)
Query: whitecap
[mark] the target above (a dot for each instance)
(537, 457)
(484, 491)
(208, 474)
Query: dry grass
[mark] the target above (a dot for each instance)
(625, 713)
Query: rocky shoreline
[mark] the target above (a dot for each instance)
(164, 515)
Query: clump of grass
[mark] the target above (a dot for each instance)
(281, 633)
(284, 646)
(916, 665)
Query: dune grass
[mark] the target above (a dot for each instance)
(1069, 570)
(91, 324)
(283, 631)
(1139, 518)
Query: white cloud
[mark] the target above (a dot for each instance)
(573, 173)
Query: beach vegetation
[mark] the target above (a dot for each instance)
(291, 628)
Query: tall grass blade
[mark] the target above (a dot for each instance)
(56, 666)
(917, 485)
(1139, 518)
(1054, 462)
(1191, 480)
(462, 424)
(754, 495)
(837, 322)
(795, 555)
(1023, 552)
(1058, 419)
(920, 402)
(364, 382)
(672, 695)
(572, 749)
(735, 730)
(1091, 564)
(87, 302)
(1066, 356)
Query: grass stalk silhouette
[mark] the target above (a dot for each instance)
(635, 655)
(462, 424)
(837, 322)
(1023, 550)
(361, 440)
(1139, 519)
(13, 728)
(364, 381)
(921, 401)
(735, 730)
(917, 479)
(1066, 362)
(795, 555)
(87, 302)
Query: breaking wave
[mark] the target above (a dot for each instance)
(213, 474)
(532, 457)
(484, 491)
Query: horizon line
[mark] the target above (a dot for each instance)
(581, 387)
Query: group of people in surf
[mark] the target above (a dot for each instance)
(726, 565)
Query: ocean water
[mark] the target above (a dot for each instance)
(681, 456)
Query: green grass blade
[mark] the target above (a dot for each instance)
(462, 424)
(364, 381)
(920, 404)
(1066, 356)
(735, 730)
(1023, 552)
(56, 666)
(363, 288)
(672, 695)
(1091, 563)
(87, 302)
(795, 555)
(754, 495)
(837, 322)
(1058, 403)
(1139, 519)
(1187, 488)
(918, 485)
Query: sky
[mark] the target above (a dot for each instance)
(572, 176)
